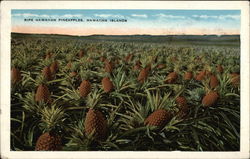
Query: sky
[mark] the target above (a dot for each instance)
(152, 22)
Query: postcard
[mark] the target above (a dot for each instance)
(107, 79)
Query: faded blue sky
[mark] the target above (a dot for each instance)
(138, 21)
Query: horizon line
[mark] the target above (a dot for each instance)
(126, 34)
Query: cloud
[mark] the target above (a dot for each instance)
(47, 16)
(221, 17)
(139, 15)
(108, 15)
(25, 15)
(71, 15)
(161, 15)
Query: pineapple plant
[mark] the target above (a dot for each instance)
(160, 116)
(74, 69)
(189, 74)
(172, 76)
(107, 84)
(95, 123)
(51, 124)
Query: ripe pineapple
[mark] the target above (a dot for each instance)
(15, 75)
(214, 82)
(47, 73)
(188, 76)
(95, 124)
(172, 77)
(136, 67)
(69, 65)
(220, 69)
(48, 55)
(159, 118)
(107, 85)
(161, 66)
(42, 93)
(102, 59)
(128, 58)
(108, 66)
(85, 88)
(210, 98)
(81, 53)
(200, 76)
(181, 103)
(143, 75)
(235, 79)
(54, 67)
(73, 74)
(49, 142)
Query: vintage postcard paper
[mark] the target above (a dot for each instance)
(124, 80)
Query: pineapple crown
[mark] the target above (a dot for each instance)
(47, 62)
(41, 80)
(178, 90)
(93, 99)
(74, 66)
(52, 118)
(157, 101)
(16, 63)
(85, 74)
(69, 57)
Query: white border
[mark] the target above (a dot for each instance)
(6, 7)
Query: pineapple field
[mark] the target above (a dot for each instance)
(99, 94)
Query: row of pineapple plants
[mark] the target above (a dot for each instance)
(82, 95)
